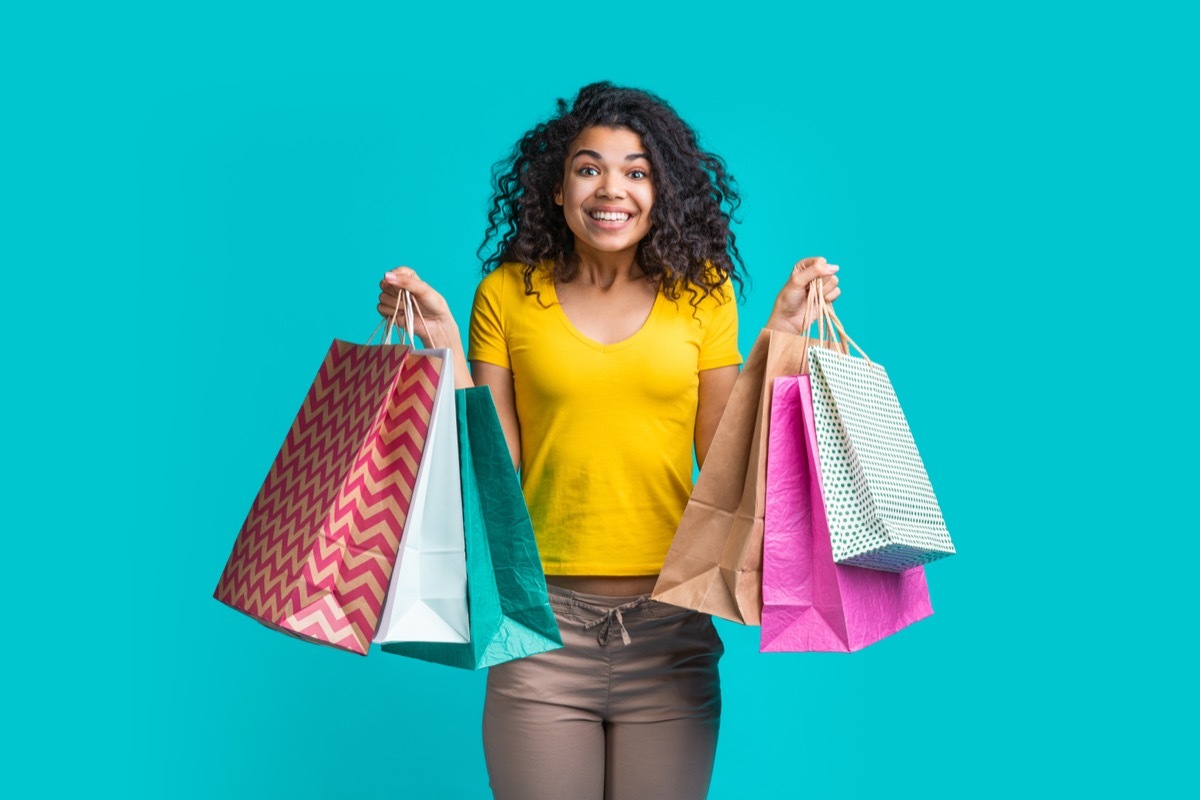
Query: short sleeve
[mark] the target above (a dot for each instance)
(487, 340)
(719, 347)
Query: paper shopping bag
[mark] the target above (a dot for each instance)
(315, 554)
(427, 598)
(714, 564)
(510, 610)
(882, 510)
(811, 603)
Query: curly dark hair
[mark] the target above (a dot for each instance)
(690, 243)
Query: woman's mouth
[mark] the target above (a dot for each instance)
(610, 217)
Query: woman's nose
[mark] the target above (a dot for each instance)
(611, 187)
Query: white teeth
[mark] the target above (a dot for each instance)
(610, 216)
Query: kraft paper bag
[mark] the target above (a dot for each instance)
(510, 610)
(427, 598)
(714, 564)
(316, 552)
(811, 603)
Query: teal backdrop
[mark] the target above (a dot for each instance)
(198, 197)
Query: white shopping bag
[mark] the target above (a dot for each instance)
(427, 597)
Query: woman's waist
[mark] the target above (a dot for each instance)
(605, 585)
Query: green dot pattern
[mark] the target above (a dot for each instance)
(881, 508)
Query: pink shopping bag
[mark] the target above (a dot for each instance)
(811, 604)
(315, 555)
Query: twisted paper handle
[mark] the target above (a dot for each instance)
(410, 303)
(817, 309)
(828, 312)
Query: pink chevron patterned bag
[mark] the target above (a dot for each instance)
(316, 552)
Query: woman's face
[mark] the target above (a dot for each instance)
(607, 190)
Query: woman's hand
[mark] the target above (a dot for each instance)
(788, 313)
(435, 324)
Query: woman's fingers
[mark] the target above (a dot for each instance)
(402, 279)
(807, 270)
(387, 309)
(789, 311)
(405, 279)
(829, 287)
(395, 281)
(806, 264)
(388, 297)
(400, 273)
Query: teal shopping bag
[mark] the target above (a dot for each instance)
(509, 610)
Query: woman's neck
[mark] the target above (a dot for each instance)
(605, 269)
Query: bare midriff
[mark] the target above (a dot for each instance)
(605, 585)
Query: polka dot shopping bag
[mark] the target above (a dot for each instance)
(881, 507)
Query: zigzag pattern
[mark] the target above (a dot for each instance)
(316, 551)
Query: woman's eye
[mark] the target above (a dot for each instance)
(639, 174)
(588, 171)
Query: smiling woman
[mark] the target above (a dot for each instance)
(607, 192)
(608, 306)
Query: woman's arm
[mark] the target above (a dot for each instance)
(437, 328)
(500, 381)
(715, 386)
(786, 315)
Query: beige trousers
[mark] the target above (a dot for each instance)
(628, 709)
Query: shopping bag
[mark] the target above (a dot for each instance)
(315, 554)
(427, 598)
(714, 564)
(510, 610)
(811, 603)
(882, 510)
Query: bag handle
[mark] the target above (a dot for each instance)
(814, 313)
(819, 310)
(410, 303)
(831, 316)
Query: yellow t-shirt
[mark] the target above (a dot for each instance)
(606, 430)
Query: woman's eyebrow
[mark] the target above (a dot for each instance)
(598, 157)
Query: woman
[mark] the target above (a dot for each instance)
(606, 329)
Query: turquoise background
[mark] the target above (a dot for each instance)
(197, 198)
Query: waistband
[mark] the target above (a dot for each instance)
(607, 610)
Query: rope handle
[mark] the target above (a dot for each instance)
(410, 303)
(828, 314)
(819, 310)
(814, 313)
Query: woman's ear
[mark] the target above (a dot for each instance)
(558, 198)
